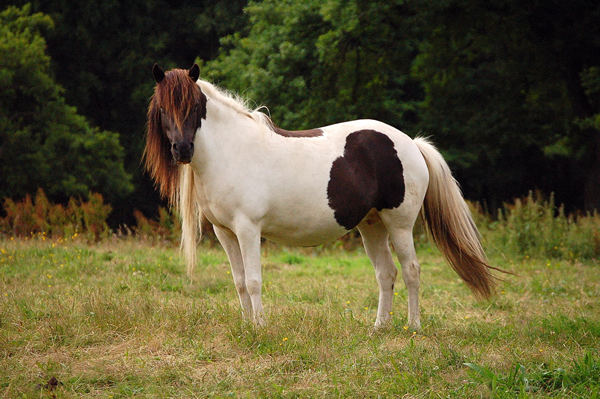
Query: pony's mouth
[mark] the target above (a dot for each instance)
(182, 152)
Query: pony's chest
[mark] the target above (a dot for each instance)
(207, 204)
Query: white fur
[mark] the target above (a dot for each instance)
(251, 182)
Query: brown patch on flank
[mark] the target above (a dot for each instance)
(369, 175)
(298, 133)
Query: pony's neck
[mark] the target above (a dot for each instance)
(227, 134)
(232, 122)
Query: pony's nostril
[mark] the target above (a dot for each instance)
(192, 145)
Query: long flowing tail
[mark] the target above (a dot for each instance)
(449, 221)
(191, 216)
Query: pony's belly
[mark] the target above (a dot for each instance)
(303, 234)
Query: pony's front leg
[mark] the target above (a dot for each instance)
(249, 239)
(231, 246)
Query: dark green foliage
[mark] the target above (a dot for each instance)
(504, 91)
(43, 141)
(509, 91)
(315, 63)
(103, 52)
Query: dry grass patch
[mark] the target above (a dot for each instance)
(120, 319)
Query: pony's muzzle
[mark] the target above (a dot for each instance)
(182, 151)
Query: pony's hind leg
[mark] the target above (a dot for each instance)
(375, 240)
(402, 240)
(231, 246)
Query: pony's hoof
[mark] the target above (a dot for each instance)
(414, 326)
(381, 325)
(259, 321)
(247, 317)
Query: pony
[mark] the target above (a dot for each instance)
(213, 157)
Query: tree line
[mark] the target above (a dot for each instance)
(509, 91)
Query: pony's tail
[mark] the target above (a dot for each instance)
(191, 215)
(450, 224)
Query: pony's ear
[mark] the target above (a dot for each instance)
(194, 72)
(158, 73)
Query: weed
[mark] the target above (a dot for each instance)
(582, 379)
(535, 227)
(39, 217)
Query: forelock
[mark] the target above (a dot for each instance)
(177, 94)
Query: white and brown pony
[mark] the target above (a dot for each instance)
(213, 157)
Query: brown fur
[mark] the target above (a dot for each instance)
(298, 133)
(178, 96)
(451, 226)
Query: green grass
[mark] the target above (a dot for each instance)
(120, 319)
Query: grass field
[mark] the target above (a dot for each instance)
(120, 319)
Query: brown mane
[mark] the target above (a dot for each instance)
(178, 96)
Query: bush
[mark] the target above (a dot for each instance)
(29, 217)
(166, 228)
(530, 226)
(536, 227)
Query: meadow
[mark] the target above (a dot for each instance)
(119, 318)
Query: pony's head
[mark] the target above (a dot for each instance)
(175, 114)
